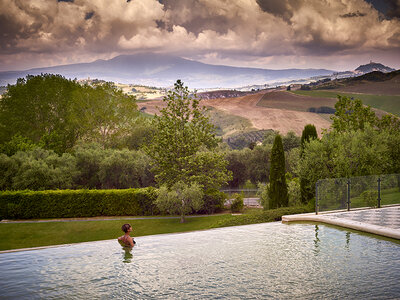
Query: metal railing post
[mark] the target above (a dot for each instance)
(316, 198)
(348, 194)
(379, 192)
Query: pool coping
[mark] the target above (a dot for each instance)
(370, 228)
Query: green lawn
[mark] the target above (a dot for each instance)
(25, 235)
(387, 103)
(388, 196)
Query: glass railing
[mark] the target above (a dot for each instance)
(357, 192)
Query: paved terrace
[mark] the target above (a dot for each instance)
(382, 221)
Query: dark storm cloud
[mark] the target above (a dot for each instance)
(89, 15)
(353, 15)
(285, 8)
(394, 9)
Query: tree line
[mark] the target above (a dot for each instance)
(57, 134)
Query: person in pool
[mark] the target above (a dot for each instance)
(126, 239)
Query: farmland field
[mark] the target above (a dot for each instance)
(280, 118)
(294, 101)
(388, 103)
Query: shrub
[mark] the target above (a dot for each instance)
(294, 192)
(8, 168)
(263, 193)
(76, 203)
(370, 197)
(214, 201)
(237, 203)
(180, 199)
(41, 169)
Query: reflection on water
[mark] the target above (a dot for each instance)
(271, 260)
(127, 254)
(316, 240)
(348, 240)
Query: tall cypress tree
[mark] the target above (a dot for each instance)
(309, 133)
(278, 192)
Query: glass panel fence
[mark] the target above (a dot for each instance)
(357, 192)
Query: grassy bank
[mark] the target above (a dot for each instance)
(25, 235)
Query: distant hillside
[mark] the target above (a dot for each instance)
(372, 67)
(375, 83)
(222, 94)
(163, 70)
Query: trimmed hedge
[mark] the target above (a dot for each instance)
(77, 203)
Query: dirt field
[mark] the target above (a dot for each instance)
(279, 119)
(290, 101)
(282, 120)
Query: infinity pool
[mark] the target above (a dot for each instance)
(270, 260)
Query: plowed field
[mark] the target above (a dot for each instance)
(285, 111)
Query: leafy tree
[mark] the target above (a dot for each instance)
(41, 169)
(140, 134)
(183, 135)
(237, 164)
(17, 143)
(57, 112)
(278, 193)
(8, 168)
(106, 114)
(258, 164)
(290, 141)
(88, 160)
(351, 153)
(351, 115)
(180, 199)
(294, 192)
(124, 169)
(309, 133)
(38, 106)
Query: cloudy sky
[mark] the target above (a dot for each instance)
(275, 34)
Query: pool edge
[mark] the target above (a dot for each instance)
(370, 228)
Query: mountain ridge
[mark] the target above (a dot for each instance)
(163, 70)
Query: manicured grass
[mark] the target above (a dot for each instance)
(384, 102)
(25, 235)
(388, 196)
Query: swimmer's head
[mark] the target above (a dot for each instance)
(126, 227)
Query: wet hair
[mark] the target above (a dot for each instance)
(125, 227)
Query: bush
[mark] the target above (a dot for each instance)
(263, 193)
(370, 198)
(214, 201)
(180, 199)
(294, 192)
(237, 204)
(8, 168)
(76, 203)
(41, 169)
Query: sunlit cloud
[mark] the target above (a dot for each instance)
(267, 34)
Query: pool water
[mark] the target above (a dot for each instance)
(270, 260)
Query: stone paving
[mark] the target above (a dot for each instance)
(386, 217)
(382, 221)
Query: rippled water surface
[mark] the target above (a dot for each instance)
(271, 260)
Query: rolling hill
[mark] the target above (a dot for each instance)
(163, 70)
